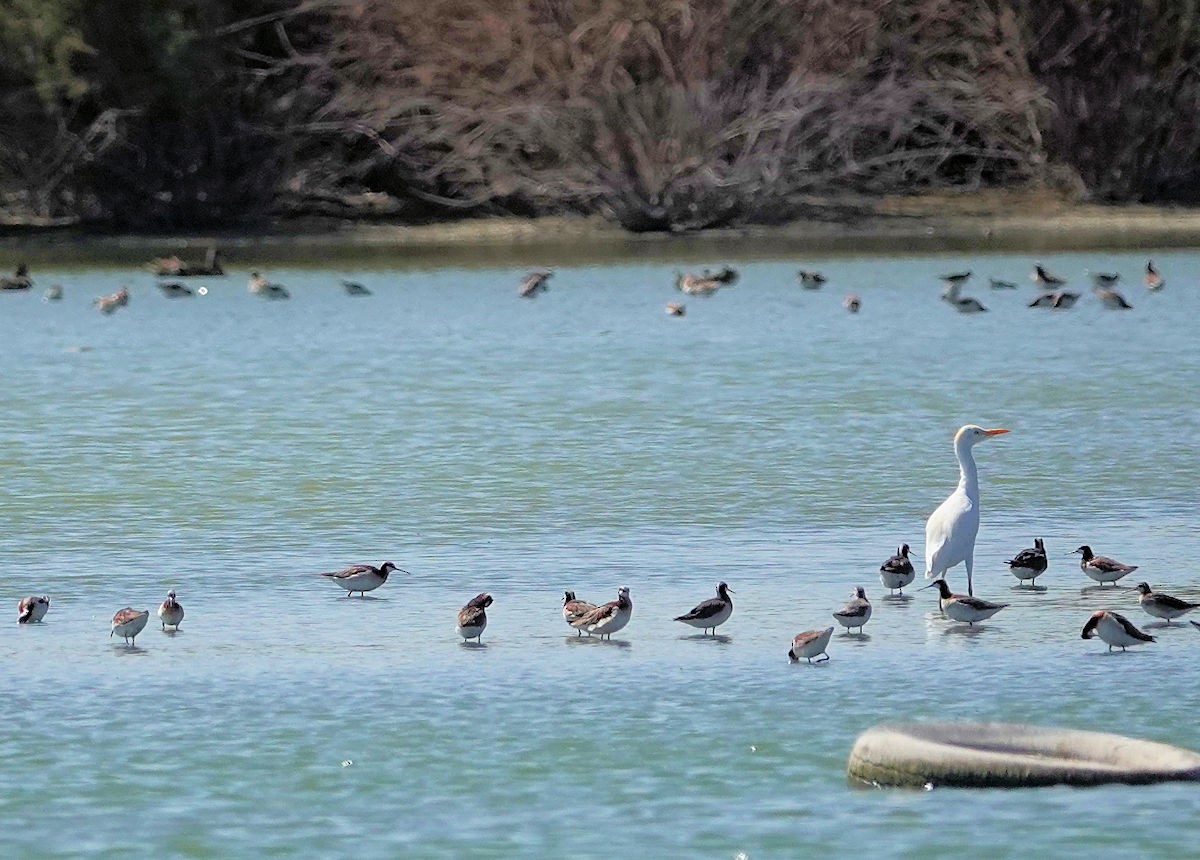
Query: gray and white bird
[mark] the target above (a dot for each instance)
(1162, 605)
(963, 607)
(897, 571)
(170, 611)
(1029, 563)
(856, 612)
(712, 613)
(362, 577)
(1100, 567)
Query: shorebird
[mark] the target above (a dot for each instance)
(54, 293)
(852, 302)
(170, 611)
(108, 304)
(354, 288)
(809, 644)
(264, 289)
(856, 613)
(951, 529)
(362, 577)
(574, 609)
(962, 304)
(1104, 279)
(997, 284)
(129, 623)
(472, 618)
(1152, 279)
(1102, 568)
(955, 279)
(174, 291)
(712, 613)
(726, 275)
(607, 619)
(1115, 629)
(692, 285)
(533, 283)
(173, 267)
(1111, 299)
(1044, 279)
(1029, 563)
(19, 280)
(675, 309)
(963, 607)
(897, 571)
(32, 608)
(811, 280)
(1059, 300)
(1162, 605)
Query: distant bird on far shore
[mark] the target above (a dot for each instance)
(897, 571)
(712, 613)
(852, 302)
(695, 285)
(810, 644)
(962, 304)
(1030, 563)
(264, 289)
(1100, 567)
(811, 280)
(174, 291)
(1114, 629)
(955, 279)
(19, 280)
(1162, 605)
(354, 288)
(535, 282)
(1104, 279)
(1044, 279)
(997, 284)
(726, 275)
(1152, 279)
(54, 293)
(173, 267)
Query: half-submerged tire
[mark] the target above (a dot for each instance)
(1010, 755)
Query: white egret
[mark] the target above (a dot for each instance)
(951, 529)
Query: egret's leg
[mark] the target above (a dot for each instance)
(970, 560)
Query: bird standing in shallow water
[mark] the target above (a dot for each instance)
(32, 609)
(1115, 629)
(897, 571)
(712, 613)
(170, 611)
(951, 529)
(362, 577)
(1044, 279)
(261, 287)
(472, 618)
(811, 280)
(1100, 567)
(1153, 280)
(607, 619)
(963, 607)
(809, 644)
(535, 282)
(1111, 299)
(856, 613)
(574, 609)
(1162, 605)
(129, 623)
(1029, 563)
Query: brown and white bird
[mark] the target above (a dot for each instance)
(712, 613)
(1162, 605)
(362, 577)
(574, 609)
(170, 611)
(264, 289)
(696, 285)
(1100, 567)
(963, 607)
(108, 304)
(1029, 563)
(32, 609)
(810, 644)
(897, 571)
(856, 612)
(607, 619)
(1044, 279)
(128, 623)
(1152, 279)
(1115, 629)
(472, 618)
(535, 282)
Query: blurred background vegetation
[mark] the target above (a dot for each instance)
(657, 114)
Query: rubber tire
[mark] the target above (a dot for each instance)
(1010, 755)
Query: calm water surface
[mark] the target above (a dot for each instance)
(231, 449)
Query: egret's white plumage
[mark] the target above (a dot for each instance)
(951, 529)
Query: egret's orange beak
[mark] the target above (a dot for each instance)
(996, 432)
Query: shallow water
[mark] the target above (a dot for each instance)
(232, 448)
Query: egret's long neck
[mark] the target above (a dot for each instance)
(968, 475)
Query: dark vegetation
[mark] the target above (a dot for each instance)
(658, 114)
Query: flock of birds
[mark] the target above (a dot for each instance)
(950, 534)
(1052, 293)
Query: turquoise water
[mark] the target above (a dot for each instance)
(231, 449)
